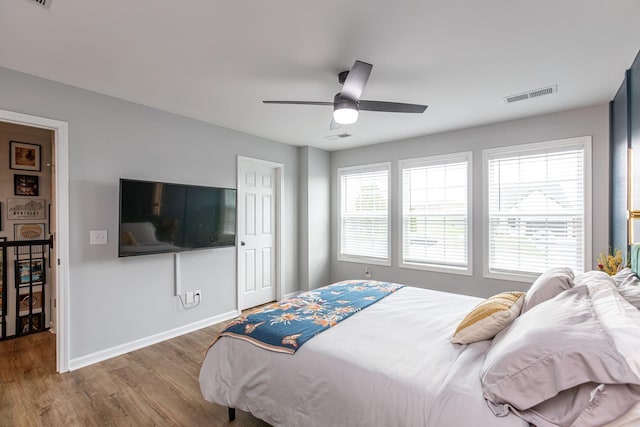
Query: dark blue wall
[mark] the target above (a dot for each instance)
(625, 133)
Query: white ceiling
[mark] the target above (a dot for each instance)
(216, 60)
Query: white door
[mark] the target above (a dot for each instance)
(257, 251)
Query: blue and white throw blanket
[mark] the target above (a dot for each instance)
(285, 325)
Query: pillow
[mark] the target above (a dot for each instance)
(629, 419)
(590, 277)
(548, 285)
(489, 317)
(142, 232)
(579, 348)
(629, 286)
(127, 239)
(588, 404)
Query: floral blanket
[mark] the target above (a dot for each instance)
(285, 325)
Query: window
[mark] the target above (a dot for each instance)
(364, 214)
(537, 208)
(436, 213)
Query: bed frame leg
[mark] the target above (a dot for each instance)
(232, 414)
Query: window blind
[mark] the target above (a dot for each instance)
(364, 212)
(536, 210)
(435, 213)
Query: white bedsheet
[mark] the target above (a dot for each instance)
(391, 364)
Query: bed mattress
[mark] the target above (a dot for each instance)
(391, 364)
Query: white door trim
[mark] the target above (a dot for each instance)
(279, 187)
(61, 159)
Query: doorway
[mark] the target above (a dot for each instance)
(260, 230)
(55, 220)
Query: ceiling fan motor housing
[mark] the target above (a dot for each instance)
(345, 111)
(340, 103)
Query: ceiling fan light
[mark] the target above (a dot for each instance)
(345, 115)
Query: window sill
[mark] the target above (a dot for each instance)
(464, 271)
(364, 260)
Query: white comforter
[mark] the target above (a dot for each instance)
(391, 364)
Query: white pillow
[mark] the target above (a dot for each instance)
(585, 337)
(589, 277)
(548, 285)
(143, 232)
(628, 285)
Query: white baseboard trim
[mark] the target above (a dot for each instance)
(119, 350)
(292, 294)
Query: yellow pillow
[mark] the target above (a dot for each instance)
(128, 239)
(489, 317)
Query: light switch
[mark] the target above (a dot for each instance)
(98, 237)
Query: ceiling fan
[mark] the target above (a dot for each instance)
(347, 103)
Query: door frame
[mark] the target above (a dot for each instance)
(279, 198)
(61, 161)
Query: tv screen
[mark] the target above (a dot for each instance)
(157, 217)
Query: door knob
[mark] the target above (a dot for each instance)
(242, 243)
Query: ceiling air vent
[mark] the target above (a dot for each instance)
(338, 136)
(44, 3)
(531, 94)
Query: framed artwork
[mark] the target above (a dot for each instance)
(24, 232)
(24, 156)
(25, 208)
(33, 302)
(25, 185)
(30, 272)
(29, 324)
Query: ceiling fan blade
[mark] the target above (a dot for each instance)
(299, 102)
(391, 107)
(356, 81)
(334, 125)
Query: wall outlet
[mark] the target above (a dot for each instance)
(189, 297)
(367, 272)
(98, 237)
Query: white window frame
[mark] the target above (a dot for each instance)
(364, 168)
(585, 142)
(434, 160)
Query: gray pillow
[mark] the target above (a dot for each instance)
(582, 405)
(143, 232)
(591, 276)
(564, 349)
(629, 286)
(548, 285)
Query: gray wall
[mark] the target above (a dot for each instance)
(314, 217)
(593, 121)
(114, 301)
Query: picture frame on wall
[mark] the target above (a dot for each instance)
(24, 156)
(25, 185)
(25, 209)
(30, 301)
(30, 272)
(30, 231)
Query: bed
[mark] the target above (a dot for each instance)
(391, 364)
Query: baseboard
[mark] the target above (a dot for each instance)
(119, 350)
(292, 294)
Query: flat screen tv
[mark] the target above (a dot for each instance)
(158, 217)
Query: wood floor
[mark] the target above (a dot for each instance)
(154, 386)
